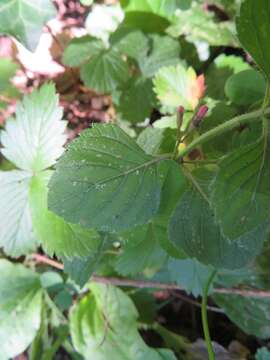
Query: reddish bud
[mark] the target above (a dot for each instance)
(180, 114)
(199, 116)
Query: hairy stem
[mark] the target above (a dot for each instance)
(206, 332)
(223, 128)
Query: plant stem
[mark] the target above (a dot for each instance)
(223, 128)
(206, 332)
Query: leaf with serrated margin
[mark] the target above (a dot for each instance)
(16, 230)
(253, 27)
(34, 140)
(193, 229)
(24, 19)
(20, 308)
(57, 236)
(241, 191)
(106, 181)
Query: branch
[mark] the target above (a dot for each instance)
(223, 128)
(142, 284)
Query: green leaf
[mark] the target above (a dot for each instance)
(20, 308)
(141, 250)
(131, 42)
(252, 315)
(80, 269)
(94, 76)
(164, 52)
(189, 274)
(245, 88)
(263, 354)
(57, 236)
(175, 86)
(194, 230)
(253, 28)
(106, 181)
(16, 232)
(200, 25)
(104, 322)
(137, 100)
(35, 139)
(156, 141)
(8, 69)
(242, 186)
(85, 46)
(24, 19)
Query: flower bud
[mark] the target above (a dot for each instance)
(180, 115)
(199, 116)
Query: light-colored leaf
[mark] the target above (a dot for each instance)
(34, 140)
(175, 86)
(20, 308)
(24, 19)
(16, 230)
(104, 322)
(106, 181)
(57, 236)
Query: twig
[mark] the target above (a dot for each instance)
(142, 284)
(196, 303)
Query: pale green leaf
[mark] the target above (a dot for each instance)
(57, 236)
(104, 322)
(16, 232)
(24, 19)
(8, 69)
(34, 140)
(175, 86)
(253, 26)
(106, 181)
(197, 24)
(20, 308)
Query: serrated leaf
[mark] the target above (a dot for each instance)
(197, 24)
(34, 140)
(189, 274)
(20, 308)
(137, 100)
(246, 87)
(16, 230)
(131, 42)
(252, 29)
(249, 314)
(194, 230)
(24, 19)
(175, 86)
(242, 184)
(57, 236)
(106, 181)
(85, 46)
(141, 250)
(112, 329)
(156, 141)
(165, 51)
(80, 269)
(116, 74)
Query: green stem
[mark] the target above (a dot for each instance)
(223, 128)
(206, 332)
